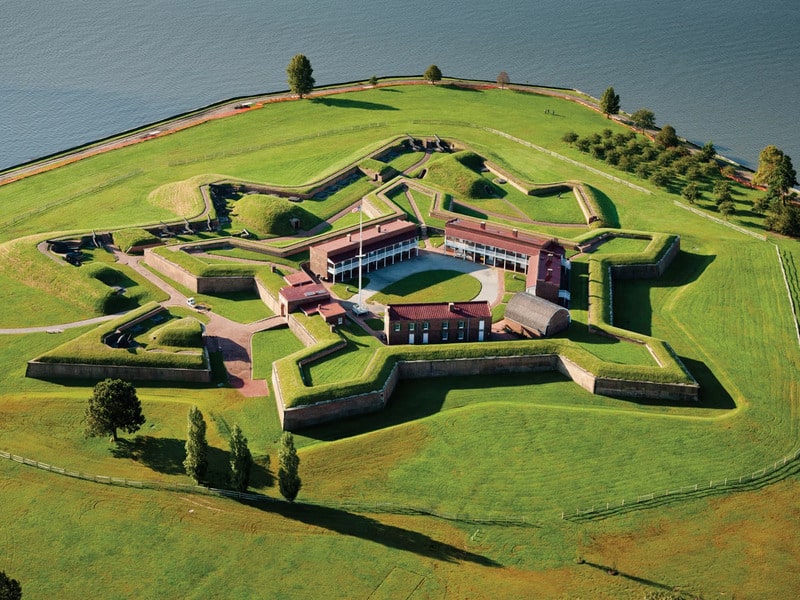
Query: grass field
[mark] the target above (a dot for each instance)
(430, 286)
(476, 450)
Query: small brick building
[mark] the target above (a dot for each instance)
(437, 323)
(383, 245)
(301, 291)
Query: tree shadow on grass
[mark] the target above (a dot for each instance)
(166, 456)
(349, 103)
(405, 406)
(373, 530)
(613, 571)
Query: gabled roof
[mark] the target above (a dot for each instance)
(433, 311)
(500, 237)
(376, 236)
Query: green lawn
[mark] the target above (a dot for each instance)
(347, 363)
(268, 346)
(430, 286)
(473, 449)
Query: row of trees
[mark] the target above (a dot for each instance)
(115, 405)
(301, 81)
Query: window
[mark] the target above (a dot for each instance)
(461, 335)
(412, 326)
(445, 325)
(445, 336)
(461, 324)
(397, 326)
(425, 325)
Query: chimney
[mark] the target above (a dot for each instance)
(483, 224)
(349, 237)
(378, 227)
(515, 232)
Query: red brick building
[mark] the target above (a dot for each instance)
(301, 291)
(541, 259)
(383, 245)
(437, 323)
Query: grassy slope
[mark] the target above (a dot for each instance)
(488, 448)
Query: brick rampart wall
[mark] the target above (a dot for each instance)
(336, 409)
(42, 370)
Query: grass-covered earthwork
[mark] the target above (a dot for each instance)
(497, 458)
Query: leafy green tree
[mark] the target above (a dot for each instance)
(783, 218)
(708, 152)
(727, 208)
(570, 137)
(373, 80)
(10, 589)
(196, 463)
(299, 75)
(644, 118)
(660, 178)
(768, 160)
(288, 468)
(609, 102)
(502, 79)
(432, 74)
(241, 460)
(691, 193)
(667, 138)
(722, 192)
(113, 405)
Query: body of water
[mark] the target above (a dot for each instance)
(72, 72)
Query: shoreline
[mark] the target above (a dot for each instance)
(239, 104)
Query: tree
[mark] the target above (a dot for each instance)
(241, 460)
(666, 138)
(113, 405)
(570, 137)
(727, 208)
(708, 152)
(10, 589)
(609, 102)
(299, 73)
(691, 193)
(644, 118)
(503, 79)
(288, 465)
(432, 74)
(722, 192)
(373, 80)
(196, 463)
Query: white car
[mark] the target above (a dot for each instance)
(190, 301)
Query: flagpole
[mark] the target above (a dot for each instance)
(360, 247)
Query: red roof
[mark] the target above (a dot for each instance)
(432, 311)
(499, 237)
(331, 309)
(376, 236)
(310, 292)
(299, 278)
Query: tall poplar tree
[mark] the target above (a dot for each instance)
(299, 74)
(241, 460)
(288, 467)
(609, 102)
(196, 463)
